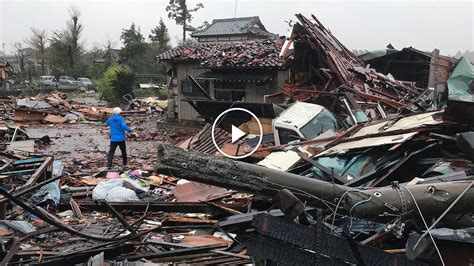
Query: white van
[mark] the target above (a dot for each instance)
(84, 81)
(303, 121)
(48, 81)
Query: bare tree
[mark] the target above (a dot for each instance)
(20, 56)
(73, 33)
(38, 41)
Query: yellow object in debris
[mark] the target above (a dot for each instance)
(155, 180)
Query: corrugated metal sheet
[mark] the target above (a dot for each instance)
(398, 124)
(368, 142)
(196, 192)
(202, 141)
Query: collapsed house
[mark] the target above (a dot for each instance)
(426, 70)
(111, 55)
(324, 70)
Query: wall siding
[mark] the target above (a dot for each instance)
(185, 110)
(254, 94)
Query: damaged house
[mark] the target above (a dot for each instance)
(233, 29)
(425, 69)
(234, 60)
(112, 54)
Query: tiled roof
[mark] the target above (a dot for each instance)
(255, 53)
(232, 26)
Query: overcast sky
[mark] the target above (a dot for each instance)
(447, 25)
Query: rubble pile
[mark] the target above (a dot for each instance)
(120, 215)
(335, 73)
(57, 109)
(391, 185)
(7, 108)
(152, 104)
(49, 199)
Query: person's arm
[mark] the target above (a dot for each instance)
(125, 127)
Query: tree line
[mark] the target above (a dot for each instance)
(62, 51)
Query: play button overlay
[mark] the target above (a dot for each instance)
(236, 133)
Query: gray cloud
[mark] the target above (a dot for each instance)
(447, 25)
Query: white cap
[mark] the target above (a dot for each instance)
(117, 110)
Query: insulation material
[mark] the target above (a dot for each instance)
(282, 160)
(113, 191)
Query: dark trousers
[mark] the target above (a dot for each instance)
(123, 150)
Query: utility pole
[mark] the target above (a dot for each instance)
(252, 178)
(4, 55)
(235, 9)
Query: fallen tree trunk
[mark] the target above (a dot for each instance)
(228, 173)
(374, 204)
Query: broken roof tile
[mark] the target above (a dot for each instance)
(251, 54)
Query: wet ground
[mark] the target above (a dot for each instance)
(88, 143)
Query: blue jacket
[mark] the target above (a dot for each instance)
(117, 128)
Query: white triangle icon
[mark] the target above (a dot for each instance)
(237, 134)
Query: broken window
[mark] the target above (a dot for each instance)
(287, 135)
(188, 89)
(319, 124)
(229, 91)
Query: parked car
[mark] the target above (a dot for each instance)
(86, 82)
(48, 81)
(66, 80)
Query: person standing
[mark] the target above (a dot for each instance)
(118, 127)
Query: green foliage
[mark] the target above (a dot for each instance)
(178, 11)
(93, 70)
(135, 49)
(131, 35)
(57, 54)
(160, 35)
(140, 55)
(116, 82)
(65, 51)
